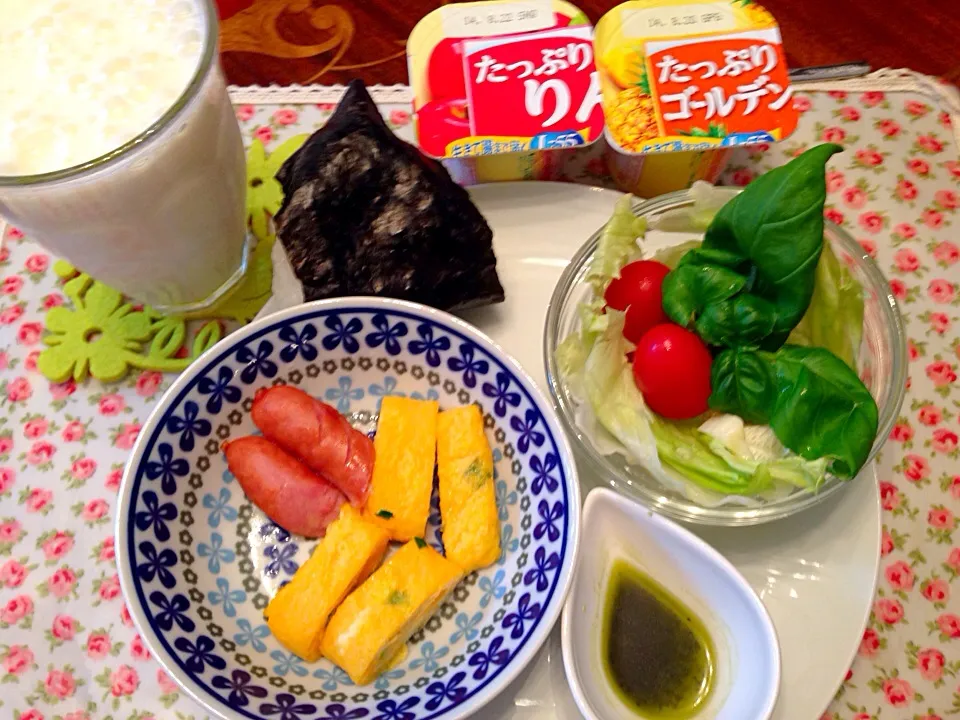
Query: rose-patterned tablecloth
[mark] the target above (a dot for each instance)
(68, 649)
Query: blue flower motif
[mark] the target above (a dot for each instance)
(287, 708)
(156, 515)
(257, 362)
(526, 428)
(492, 589)
(227, 477)
(452, 691)
(428, 345)
(220, 390)
(469, 366)
(493, 655)
(542, 565)
(526, 612)
(216, 552)
(223, 595)
(200, 654)
(280, 559)
(436, 542)
(218, 506)
(434, 530)
(542, 477)
(172, 611)
(386, 335)
(298, 343)
(157, 565)
(430, 395)
(388, 388)
(343, 394)
(189, 425)
(391, 710)
(508, 543)
(271, 528)
(342, 334)
(501, 393)
(288, 662)
(333, 678)
(383, 681)
(504, 499)
(240, 688)
(429, 657)
(168, 469)
(467, 627)
(550, 517)
(252, 635)
(336, 711)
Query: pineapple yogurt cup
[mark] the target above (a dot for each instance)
(685, 82)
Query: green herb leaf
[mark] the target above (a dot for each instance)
(421, 543)
(385, 514)
(690, 288)
(743, 383)
(777, 222)
(714, 256)
(771, 235)
(742, 321)
(396, 597)
(822, 409)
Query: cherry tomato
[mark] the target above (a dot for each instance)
(671, 367)
(445, 70)
(638, 291)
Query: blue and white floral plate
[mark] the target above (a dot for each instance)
(199, 563)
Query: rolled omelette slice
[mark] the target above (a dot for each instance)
(371, 626)
(352, 549)
(468, 505)
(406, 449)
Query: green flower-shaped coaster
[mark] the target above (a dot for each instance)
(104, 335)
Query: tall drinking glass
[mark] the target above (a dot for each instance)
(161, 216)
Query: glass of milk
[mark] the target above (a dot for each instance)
(119, 148)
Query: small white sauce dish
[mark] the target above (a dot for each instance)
(747, 662)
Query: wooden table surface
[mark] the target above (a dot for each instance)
(287, 42)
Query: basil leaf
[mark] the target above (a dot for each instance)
(777, 222)
(690, 288)
(713, 256)
(742, 383)
(740, 321)
(822, 408)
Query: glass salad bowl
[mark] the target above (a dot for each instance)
(881, 364)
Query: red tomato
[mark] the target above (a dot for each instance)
(638, 291)
(671, 367)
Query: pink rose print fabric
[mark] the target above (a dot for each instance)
(896, 189)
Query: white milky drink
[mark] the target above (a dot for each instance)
(119, 148)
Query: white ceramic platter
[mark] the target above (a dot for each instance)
(815, 572)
